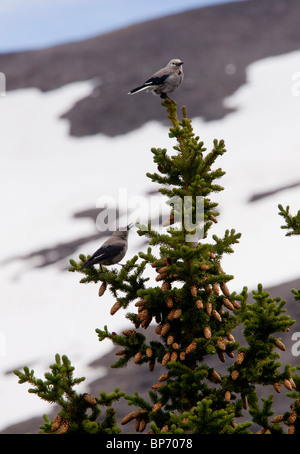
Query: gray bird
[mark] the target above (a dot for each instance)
(163, 81)
(112, 250)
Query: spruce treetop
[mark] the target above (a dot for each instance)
(210, 378)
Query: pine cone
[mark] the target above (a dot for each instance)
(292, 417)
(207, 332)
(240, 358)
(182, 356)
(137, 357)
(166, 358)
(102, 288)
(143, 424)
(164, 377)
(221, 357)
(215, 289)
(216, 376)
(191, 347)
(279, 344)
(193, 290)
(216, 315)
(277, 418)
(277, 387)
(204, 267)
(174, 356)
(166, 327)
(132, 415)
(228, 304)
(143, 314)
(162, 270)
(225, 289)
(171, 314)
(287, 384)
(234, 374)
(151, 365)
(64, 426)
(149, 352)
(165, 286)
(90, 399)
(227, 396)
(221, 344)
(170, 340)
(157, 406)
(177, 313)
(169, 302)
(208, 307)
(236, 304)
(199, 304)
(161, 277)
(146, 322)
(115, 308)
(56, 423)
(157, 386)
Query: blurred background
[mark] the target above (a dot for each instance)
(66, 118)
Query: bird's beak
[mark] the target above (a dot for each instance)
(179, 64)
(130, 225)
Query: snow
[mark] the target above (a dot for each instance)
(47, 176)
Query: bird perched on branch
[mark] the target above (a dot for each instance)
(112, 250)
(163, 81)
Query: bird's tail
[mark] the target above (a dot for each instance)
(86, 264)
(138, 89)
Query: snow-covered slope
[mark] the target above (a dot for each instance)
(46, 177)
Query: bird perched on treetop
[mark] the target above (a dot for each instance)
(163, 81)
(111, 251)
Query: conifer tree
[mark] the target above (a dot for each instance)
(194, 311)
(78, 413)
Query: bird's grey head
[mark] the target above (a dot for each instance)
(122, 232)
(175, 63)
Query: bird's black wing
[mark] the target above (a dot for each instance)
(109, 251)
(158, 80)
(103, 254)
(152, 82)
